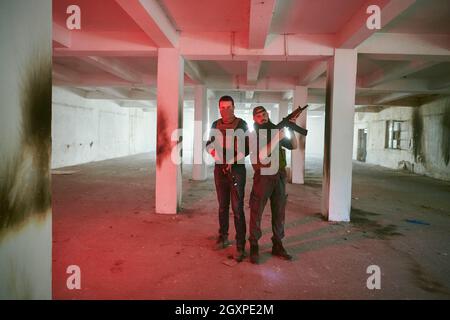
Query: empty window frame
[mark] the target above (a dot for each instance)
(397, 135)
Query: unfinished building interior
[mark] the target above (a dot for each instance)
(368, 186)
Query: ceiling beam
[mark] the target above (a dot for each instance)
(253, 68)
(396, 57)
(223, 46)
(152, 19)
(137, 104)
(117, 43)
(392, 97)
(240, 83)
(440, 83)
(369, 109)
(355, 30)
(249, 94)
(418, 86)
(261, 13)
(417, 46)
(397, 72)
(142, 94)
(114, 67)
(193, 71)
(109, 93)
(101, 80)
(315, 70)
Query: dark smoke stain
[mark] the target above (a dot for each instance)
(371, 228)
(446, 134)
(426, 282)
(163, 139)
(25, 185)
(417, 125)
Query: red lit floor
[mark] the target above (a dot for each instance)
(104, 222)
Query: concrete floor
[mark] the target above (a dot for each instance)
(104, 222)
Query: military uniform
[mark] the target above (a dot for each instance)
(271, 187)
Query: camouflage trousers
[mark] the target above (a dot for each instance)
(265, 187)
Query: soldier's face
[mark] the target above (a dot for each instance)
(261, 117)
(226, 108)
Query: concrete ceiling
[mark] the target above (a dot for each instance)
(256, 46)
(313, 17)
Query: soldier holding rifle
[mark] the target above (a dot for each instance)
(272, 184)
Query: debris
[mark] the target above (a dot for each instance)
(417, 222)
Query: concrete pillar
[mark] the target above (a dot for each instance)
(200, 126)
(339, 121)
(213, 110)
(283, 109)
(170, 115)
(274, 113)
(298, 155)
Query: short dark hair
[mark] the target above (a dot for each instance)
(226, 98)
(258, 109)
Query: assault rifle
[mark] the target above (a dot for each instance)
(291, 125)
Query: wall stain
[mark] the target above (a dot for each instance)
(163, 142)
(25, 182)
(446, 133)
(417, 128)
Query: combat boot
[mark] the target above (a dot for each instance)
(254, 253)
(222, 242)
(279, 251)
(240, 253)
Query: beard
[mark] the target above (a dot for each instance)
(267, 125)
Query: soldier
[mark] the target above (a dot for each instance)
(270, 185)
(229, 177)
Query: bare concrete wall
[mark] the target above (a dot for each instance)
(315, 139)
(430, 161)
(25, 145)
(85, 130)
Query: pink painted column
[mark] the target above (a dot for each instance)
(298, 155)
(200, 126)
(169, 119)
(339, 122)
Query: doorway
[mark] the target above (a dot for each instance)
(362, 143)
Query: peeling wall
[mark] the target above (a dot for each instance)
(25, 146)
(86, 130)
(429, 144)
